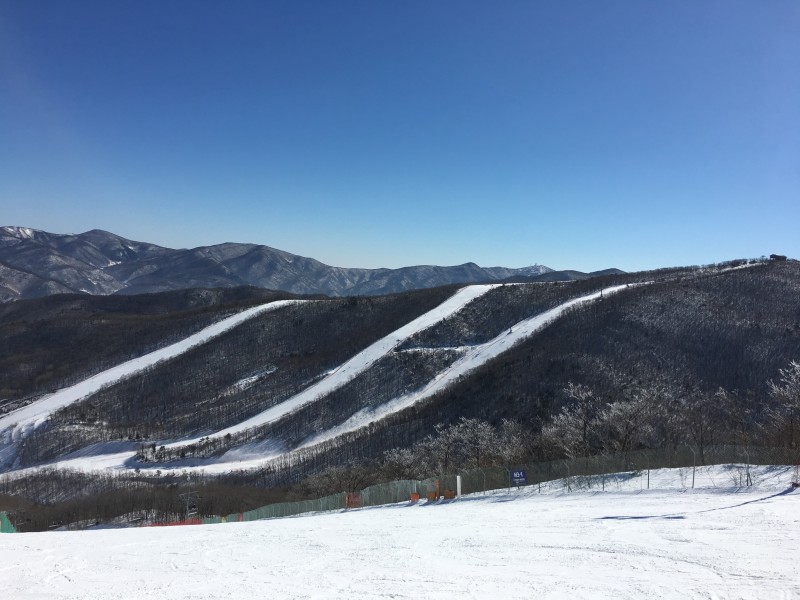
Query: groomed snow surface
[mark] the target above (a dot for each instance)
(712, 542)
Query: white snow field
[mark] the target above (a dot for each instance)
(668, 542)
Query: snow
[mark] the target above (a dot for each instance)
(24, 419)
(20, 232)
(247, 382)
(259, 454)
(666, 543)
(477, 355)
(333, 380)
(357, 364)
(30, 416)
(474, 358)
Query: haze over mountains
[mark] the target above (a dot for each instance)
(36, 263)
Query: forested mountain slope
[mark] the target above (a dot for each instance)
(677, 357)
(252, 367)
(693, 359)
(671, 336)
(52, 342)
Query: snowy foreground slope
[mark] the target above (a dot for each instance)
(715, 541)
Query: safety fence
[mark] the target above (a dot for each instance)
(5, 525)
(195, 521)
(494, 478)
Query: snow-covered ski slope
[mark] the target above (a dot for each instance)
(713, 542)
(253, 456)
(474, 358)
(20, 422)
(32, 415)
(358, 364)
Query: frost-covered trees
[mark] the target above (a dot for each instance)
(784, 412)
(651, 417)
(349, 478)
(585, 426)
(630, 424)
(465, 444)
(574, 430)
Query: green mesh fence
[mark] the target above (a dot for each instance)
(288, 509)
(212, 520)
(582, 472)
(5, 524)
(392, 492)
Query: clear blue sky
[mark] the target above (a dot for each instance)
(576, 134)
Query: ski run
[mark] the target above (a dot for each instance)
(21, 421)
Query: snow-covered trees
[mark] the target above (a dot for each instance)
(784, 412)
(653, 418)
(630, 423)
(586, 426)
(574, 430)
(347, 478)
(465, 444)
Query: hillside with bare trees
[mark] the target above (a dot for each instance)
(698, 356)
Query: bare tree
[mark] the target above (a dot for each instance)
(702, 417)
(478, 442)
(403, 463)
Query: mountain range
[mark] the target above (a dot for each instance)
(36, 263)
(245, 387)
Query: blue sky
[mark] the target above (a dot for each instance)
(576, 134)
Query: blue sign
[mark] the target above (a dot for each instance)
(518, 477)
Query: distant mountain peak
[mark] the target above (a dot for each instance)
(19, 232)
(36, 263)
